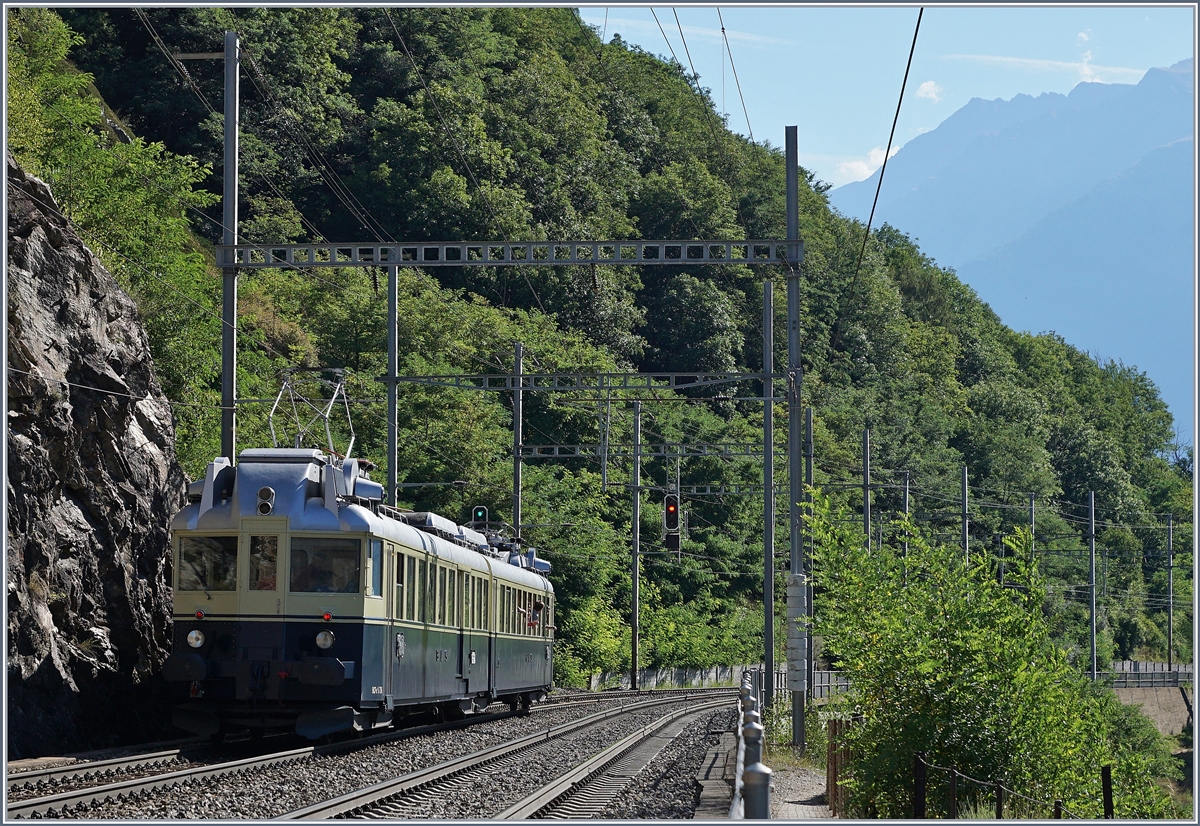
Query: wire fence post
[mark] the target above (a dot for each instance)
(999, 801)
(919, 786)
(1106, 784)
(1058, 810)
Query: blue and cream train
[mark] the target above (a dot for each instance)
(303, 602)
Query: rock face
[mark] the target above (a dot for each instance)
(92, 484)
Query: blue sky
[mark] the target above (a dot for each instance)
(835, 72)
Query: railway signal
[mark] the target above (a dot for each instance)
(479, 515)
(671, 513)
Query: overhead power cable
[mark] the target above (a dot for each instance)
(191, 84)
(458, 148)
(879, 185)
(733, 65)
(323, 167)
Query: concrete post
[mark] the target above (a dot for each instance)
(757, 783)
(393, 368)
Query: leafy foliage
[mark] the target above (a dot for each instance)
(493, 123)
(950, 658)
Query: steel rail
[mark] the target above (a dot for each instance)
(584, 774)
(59, 774)
(67, 801)
(349, 804)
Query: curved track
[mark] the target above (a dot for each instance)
(413, 792)
(91, 783)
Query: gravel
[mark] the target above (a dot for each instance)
(667, 789)
(276, 790)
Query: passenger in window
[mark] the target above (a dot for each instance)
(534, 616)
(317, 577)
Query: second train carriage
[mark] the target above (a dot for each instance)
(301, 601)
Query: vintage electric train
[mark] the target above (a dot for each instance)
(303, 602)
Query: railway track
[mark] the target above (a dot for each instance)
(487, 769)
(91, 784)
(588, 789)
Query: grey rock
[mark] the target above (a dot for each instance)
(92, 483)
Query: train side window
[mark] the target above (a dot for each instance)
(441, 596)
(399, 611)
(208, 563)
(423, 592)
(432, 593)
(487, 603)
(376, 563)
(264, 555)
(410, 588)
(452, 612)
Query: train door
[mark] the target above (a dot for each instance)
(260, 591)
(408, 654)
(383, 583)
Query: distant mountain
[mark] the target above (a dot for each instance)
(1073, 213)
(1111, 272)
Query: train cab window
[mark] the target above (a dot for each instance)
(455, 610)
(264, 554)
(376, 563)
(208, 563)
(487, 601)
(422, 592)
(325, 565)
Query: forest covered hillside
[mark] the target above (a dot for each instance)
(442, 124)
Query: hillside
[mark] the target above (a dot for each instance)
(1052, 207)
(520, 123)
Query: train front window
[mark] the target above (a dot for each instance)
(208, 563)
(325, 565)
(264, 555)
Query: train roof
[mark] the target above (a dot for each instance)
(316, 493)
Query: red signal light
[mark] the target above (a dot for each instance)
(199, 613)
(327, 616)
(671, 512)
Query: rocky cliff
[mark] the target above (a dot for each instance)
(92, 482)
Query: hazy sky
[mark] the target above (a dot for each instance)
(836, 71)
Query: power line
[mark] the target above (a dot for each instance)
(458, 148)
(735, 74)
(867, 233)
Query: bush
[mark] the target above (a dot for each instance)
(945, 658)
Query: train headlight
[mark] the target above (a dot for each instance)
(195, 638)
(325, 639)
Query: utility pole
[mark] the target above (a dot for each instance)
(393, 456)
(229, 237)
(518, 352)
(637, 538)
(965, 523)
(1170, 592)
(768, 493)
(1031, 520)
(1092, 570)
(797, 579)
(808, 500)
(866, 458)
